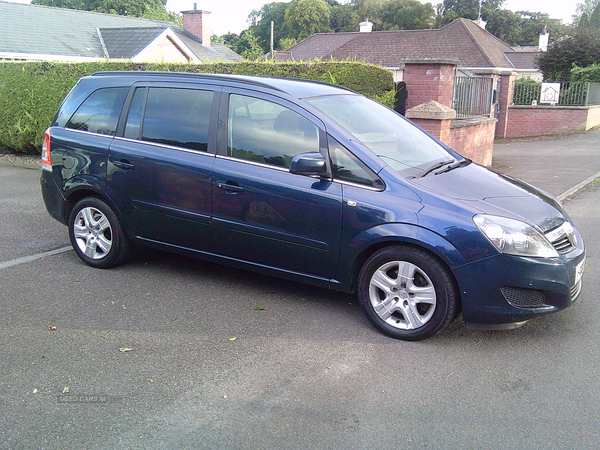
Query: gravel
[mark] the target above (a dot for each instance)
(25, 161)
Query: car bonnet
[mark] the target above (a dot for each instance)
(494, 193)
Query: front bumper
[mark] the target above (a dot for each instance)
(504, 291)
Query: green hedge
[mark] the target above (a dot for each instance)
(30, 93)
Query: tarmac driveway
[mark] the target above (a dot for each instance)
(169, 352)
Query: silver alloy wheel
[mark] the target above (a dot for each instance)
(402, 295)
(93, 233)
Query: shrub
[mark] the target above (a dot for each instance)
(526, 91)
(30, 93)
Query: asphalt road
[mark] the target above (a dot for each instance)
(169, 352)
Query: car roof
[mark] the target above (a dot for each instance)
(299, 88)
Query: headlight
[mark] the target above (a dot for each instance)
(514, 237)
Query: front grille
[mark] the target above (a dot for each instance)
(562, 238)
(523, 298)
(563, 245)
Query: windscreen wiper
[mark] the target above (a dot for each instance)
(456, 165)
(435, 167)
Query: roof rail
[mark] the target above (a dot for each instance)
(223, 77)
(256, 80)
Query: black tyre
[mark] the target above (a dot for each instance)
(96, 234)
(407, 293)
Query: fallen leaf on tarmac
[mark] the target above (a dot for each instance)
(232, 339)
(123, 307)
(125, 349)
(52, 328)
(260, 308)
(65, 390)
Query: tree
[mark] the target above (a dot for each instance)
(149, 9)
(286, 43)
(70, 4)
(231, 40)
(580, 50)
(506, 26)
(260, 24)
(588, 16)
(451, 10)
(307, 17)
(533, 23)
(406, 15)
(523, 27)
(248, 46)
(344, 18)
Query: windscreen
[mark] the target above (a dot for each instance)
(401, 145)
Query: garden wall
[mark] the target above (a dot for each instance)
(473, 138)
(527, 121)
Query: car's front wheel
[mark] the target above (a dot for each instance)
(407, 293)
(97, 235)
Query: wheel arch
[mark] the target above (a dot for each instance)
(390, 235)
(81, 187)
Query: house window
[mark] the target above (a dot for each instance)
(99, 113)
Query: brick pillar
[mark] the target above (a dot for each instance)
(505, 99)
(434, 118)
(429, 80)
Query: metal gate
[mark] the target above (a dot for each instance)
(473, 96)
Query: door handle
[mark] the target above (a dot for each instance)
(230, 188)
(123, 164)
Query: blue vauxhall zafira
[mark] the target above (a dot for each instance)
(310, 182)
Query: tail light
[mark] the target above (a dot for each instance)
(46, 152)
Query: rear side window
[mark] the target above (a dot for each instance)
(171, 116)
(99, 113)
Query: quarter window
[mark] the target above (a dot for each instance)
(347, 167)
(265, 132)
(99, 113)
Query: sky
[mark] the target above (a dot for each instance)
(230, 15)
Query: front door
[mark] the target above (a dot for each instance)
(262, 213)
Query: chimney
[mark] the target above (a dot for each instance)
(197, 22)
(366, 26)
(544, 38)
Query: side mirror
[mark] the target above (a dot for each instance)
(309, 164)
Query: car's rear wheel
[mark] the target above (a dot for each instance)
(407, 293)
(96, 234)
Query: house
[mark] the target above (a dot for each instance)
(475, 49)
(41, 33)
